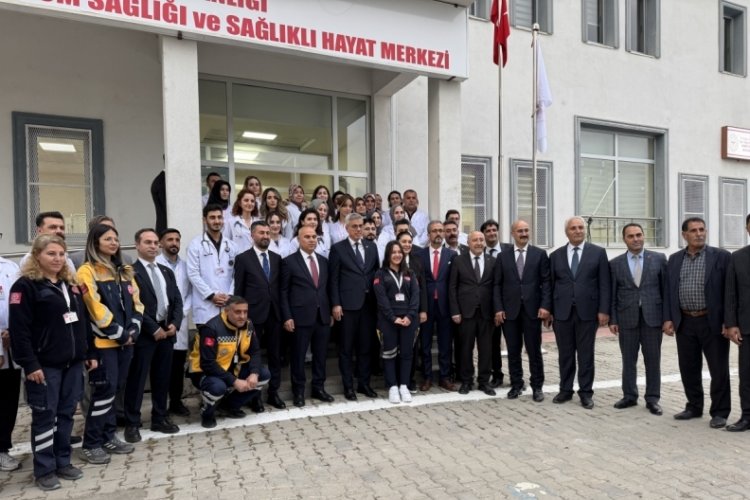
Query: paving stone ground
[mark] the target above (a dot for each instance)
(441, 446)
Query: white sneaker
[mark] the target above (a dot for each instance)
(8, 463)
(393, 395)
(405, 394)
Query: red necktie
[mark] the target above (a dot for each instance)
(313, 270)
(435, 268)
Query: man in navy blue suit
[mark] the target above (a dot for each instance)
(436, 260)
(580, 304)
(696, 313)
(306, 312)
(353, 263)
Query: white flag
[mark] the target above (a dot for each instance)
(543, 100)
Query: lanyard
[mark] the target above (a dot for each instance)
(398, 280)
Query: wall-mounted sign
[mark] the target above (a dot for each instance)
(735, 143)
(429, 38)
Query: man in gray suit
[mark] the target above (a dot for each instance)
(737, 322)
(639, 310)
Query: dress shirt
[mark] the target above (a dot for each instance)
(497, 249)
(306, 256)
(162, 283)
(570, 253)
(631, 262)
(481, 262)
(692, 292)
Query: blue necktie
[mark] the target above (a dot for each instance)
(574, 262)
(266, 266)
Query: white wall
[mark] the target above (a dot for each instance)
(74, 69)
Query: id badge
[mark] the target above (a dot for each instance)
(400, 297)
(70, 317)
(219, 271)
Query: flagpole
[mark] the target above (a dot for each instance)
(534, 36)
(499, 139)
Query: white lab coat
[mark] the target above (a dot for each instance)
(179, 268)
(236, 231)
(209, 272)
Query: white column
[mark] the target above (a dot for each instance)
(444, 146)
(383, 145)
(182, 163)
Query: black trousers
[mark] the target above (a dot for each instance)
(154, 358)
(694, 340)
(269, 335)
(357, 329)
(10, 391)
(519, 332)
(177, 376)
(497, 353)
(648, 339)
(316, 337)
(475, 329)
(575, 340)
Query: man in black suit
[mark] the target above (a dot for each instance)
(523, 299)
(580, 304)
(436, 261)
(452, 240)
(470, 289)
(353, 263)
(640, 307)
(696, 313)
(306, 312)
(493, 247)
(162, 317)
(256, 278)
(737, 321)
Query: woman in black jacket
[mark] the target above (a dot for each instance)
(51, 339)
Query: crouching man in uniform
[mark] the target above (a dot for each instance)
(225, 363)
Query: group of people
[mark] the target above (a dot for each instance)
(383, 284)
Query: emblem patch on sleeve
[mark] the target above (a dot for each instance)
(15, 298)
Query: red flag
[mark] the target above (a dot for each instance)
(499, 18)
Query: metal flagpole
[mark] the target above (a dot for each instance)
(534, 35)
(499, 138)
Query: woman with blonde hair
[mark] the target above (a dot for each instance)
(112, 300)
(270, 201)
(51, 340)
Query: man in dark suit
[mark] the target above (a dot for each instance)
(523, 299)
(353, 263)
(256, 278)
(640, 307)
(493, 247)
(162, 317)
(470, 296)
(306, 312)
(737, 322)
(696, 313)
(580, 304)
(436, 261)
(452, 242)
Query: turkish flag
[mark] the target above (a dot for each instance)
(501, 32)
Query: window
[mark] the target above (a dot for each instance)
(284, 136)
(600, 22)
(732, 39)
(643, 27)
(524, 13)
(59, 164)
(475, 192)
(733, 203)
(693, 197)
(621, 179)
(521, 180)
(480, 9)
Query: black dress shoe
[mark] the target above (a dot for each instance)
(654, 408)
(256, 405)
(208, 422)
(350, 395)
(625, 403)
(496, 380)
(132, 434)
(76, 439)
(741, 425)
(686, 415)
(514, 392)
(299, 400)
(275, 401)
(179, 409)
(321, 395)
(538, 395)
(587, 402)
(718, 422)
(231, 412)
(464, 389)
(166, 426)
(487, 390)
(562, 397)
(367, 391)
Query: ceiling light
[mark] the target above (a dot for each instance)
(263, 136)
(57, 147)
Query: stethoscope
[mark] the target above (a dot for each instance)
(208, 248)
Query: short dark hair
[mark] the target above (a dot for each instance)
(367, 220)
(402, 222)
(448, 222)
(235, 299)
(393, 192)
(212, 174)
(140, 232)
(212, 207)
(687, 222)
(52, 215)
(488, 223)
(451, 212)
(257, 223)
(631, 224)
(169, 230)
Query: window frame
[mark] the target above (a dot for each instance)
(473, 7)
(515, 163)
(631, 24)
(21, 120)
(724, 181)
(614, 24)
(547, 6)
(486, 163)
(681, 178)
(739, 11)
